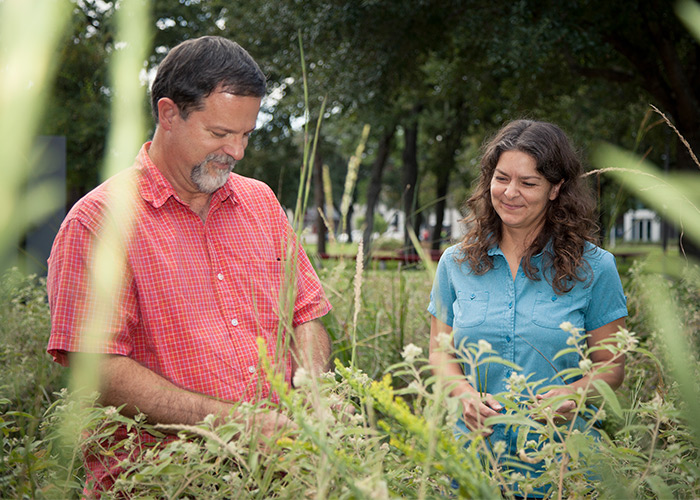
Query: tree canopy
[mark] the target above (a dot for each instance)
(431, 78)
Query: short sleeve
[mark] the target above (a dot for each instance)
(608, 301)
(310, 302)
(74, 306)
(443, 295)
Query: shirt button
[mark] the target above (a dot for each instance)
(220, 277)
(234, 322)
(507, 338)
(251, 369)
(510, 305)
(472, 296)
(554, 298)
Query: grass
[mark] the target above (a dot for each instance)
(399, 441)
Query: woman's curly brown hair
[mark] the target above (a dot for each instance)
(569, 221)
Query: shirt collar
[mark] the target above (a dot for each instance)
(496, 250)
(155, 188)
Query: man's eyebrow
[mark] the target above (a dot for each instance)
(221, 128)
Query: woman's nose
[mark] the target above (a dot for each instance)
(511, 190)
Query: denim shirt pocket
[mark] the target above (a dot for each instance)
(470, 308)
(551, 310)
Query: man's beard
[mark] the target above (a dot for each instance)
(209, 178)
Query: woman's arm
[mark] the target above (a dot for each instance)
(475, 407)
(613, 375)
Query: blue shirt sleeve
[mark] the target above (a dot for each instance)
(443, 294)
(608, 301)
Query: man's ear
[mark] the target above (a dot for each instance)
(167, 112)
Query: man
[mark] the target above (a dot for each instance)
(205, 258)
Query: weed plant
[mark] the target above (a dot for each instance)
(398, 442)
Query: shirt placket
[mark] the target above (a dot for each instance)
(225, 286)
(509, 338)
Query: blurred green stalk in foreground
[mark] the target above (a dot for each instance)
(29, 35)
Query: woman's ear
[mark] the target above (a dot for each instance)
(554, 191)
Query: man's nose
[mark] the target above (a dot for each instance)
(235, 148)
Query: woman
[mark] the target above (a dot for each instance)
(526, 265)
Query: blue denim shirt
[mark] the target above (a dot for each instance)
(520, 317)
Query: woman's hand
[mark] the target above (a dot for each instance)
(476, 409)
(563, 411)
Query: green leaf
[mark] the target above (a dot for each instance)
(513, 420)
(659, 487)
(608, 395)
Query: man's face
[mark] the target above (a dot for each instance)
(208, 143)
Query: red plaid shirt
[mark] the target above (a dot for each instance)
(196, 295)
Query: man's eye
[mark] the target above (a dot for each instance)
(218, 134)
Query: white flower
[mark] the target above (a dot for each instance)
(301, 377)
(374, 489)
(411, 352)
(415, 386)
(585, 364)
(567, 326)
(444, 340)
(499, 448)
(515, 382)
(626, 339)
(484, 346)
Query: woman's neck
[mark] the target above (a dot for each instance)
(514, 243)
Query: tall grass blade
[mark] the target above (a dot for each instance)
(674, 196)
(351, 177)
(27, 69)
(127, 132)
(430, 266)
(689, 13)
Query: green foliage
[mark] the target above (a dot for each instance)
(398, 441)
(27, 381)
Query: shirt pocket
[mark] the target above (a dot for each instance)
(551, 310)
(470, 308)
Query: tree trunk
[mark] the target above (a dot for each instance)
(443, 182)
(453, 132)
(375, 186)
(410, 179)
(319, 203)
(348, 222)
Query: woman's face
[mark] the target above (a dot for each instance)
(519, 193)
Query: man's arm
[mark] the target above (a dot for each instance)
(123, 381)
(311, 347)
